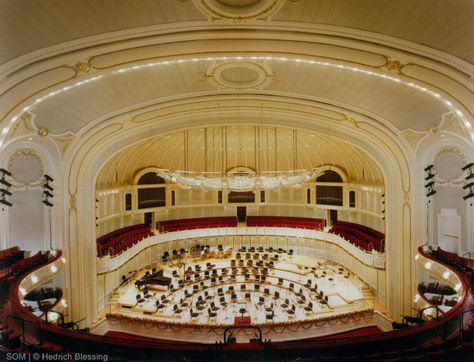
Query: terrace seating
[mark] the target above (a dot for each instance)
(30, 263)
(360, 235)
(196, 223)
(10, 256)
(458, 262)
(285, 221)
(115, 242)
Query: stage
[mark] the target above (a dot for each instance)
(215, 289)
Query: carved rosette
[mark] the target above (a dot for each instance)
(239, 11)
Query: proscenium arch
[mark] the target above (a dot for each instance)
(92, 151)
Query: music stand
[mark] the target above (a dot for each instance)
(242, 311)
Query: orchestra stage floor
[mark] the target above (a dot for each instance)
(273, 290)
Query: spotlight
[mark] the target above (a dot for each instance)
(48, 186)
(468, 196)
(5, 192)
(5, 202)
(5, 172)
(6, 183)
(47, 203)
(48, 194)
(432, 192)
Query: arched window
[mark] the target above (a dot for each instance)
(150, 197)
(329, 176)
(329, 194)
(151, 178)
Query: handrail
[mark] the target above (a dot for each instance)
(227, 339)
(409, 336)
(109, 263)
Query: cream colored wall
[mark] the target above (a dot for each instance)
(194, 203)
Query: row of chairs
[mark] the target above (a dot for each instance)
(127, 243)
(123, 241)
(353, 239)
(369, 240)
(196, 223)
(104, 238)
(365, 229)
(30, 263)
(10, 256)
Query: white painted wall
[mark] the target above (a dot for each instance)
(27, 220)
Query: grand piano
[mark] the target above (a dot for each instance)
(155, 280)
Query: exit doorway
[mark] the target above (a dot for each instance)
(333, 216)
(241, 213)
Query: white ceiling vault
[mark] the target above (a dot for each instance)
(443, 25)
(69, 67)
(73, 109)
(219, 149)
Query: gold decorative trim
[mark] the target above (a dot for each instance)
(83, 67)
(23, 154)
(394, 66)
(459, 180)
(63, 142)
(264, 75)
(352, 121)
(72, 201)
(262, 11)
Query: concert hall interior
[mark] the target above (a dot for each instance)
(281, 180)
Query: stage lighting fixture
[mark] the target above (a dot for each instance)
(468, 166)
(429, 184)
(468, 196)
(47, 186)
(6, 183)
(49, 178)
(48, 194)
(5, 172)
(432, 192)
(47, 203)
(5, 202)
(468, 185)
(5, 192)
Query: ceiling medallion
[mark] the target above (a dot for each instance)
(239, 75)
(239, 11)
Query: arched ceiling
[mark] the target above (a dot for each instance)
(382, 98)
(261, 148)
(78, 65)
(28, 25)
